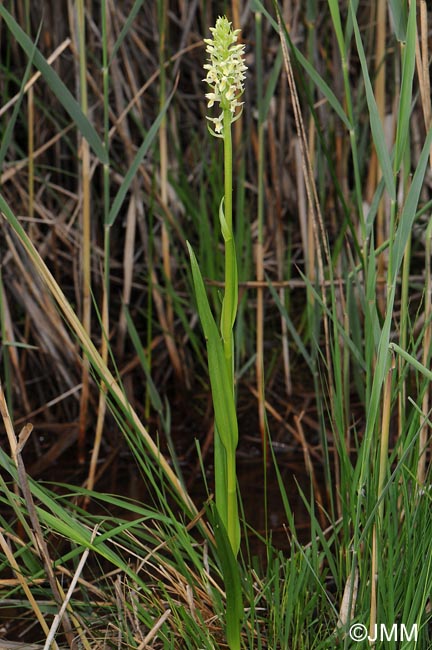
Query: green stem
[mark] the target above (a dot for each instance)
(233, 529)
(229, 310)
(230, 296)
(228, 167)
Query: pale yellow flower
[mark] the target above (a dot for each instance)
(225, 70)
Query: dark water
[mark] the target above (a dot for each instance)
(263, 506)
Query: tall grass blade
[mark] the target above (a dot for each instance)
(137, 161)
(400, 18)
(410, 207)
(153, 392)
(6, 139)
(406, 93)
(62, 93)
(126, 27)
(412, 361)
(375, 122)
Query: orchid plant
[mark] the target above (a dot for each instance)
(225, 75)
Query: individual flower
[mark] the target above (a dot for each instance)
(225, 71)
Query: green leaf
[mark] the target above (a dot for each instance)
(52, 515)
(232, 582)
(375, 122)
(230, 244)
(408, 214)
(411, 360)
(272, 82)
(226, 232)
(256, 5)
(406, 93)
(62, 93)
(226, 428)
(299, 343)
(401, 237)
(341, 332)
(337, 25)
(220, 476)
(132, 171)
(223, 398)
(135, 9)
(153, 392)
(399, 13)
(373, 209)
(322, 86)
(11, 122)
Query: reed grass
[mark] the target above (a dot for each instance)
(332, 176)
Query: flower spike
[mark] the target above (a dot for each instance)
(225, 70)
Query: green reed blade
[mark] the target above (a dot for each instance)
(62, 93)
